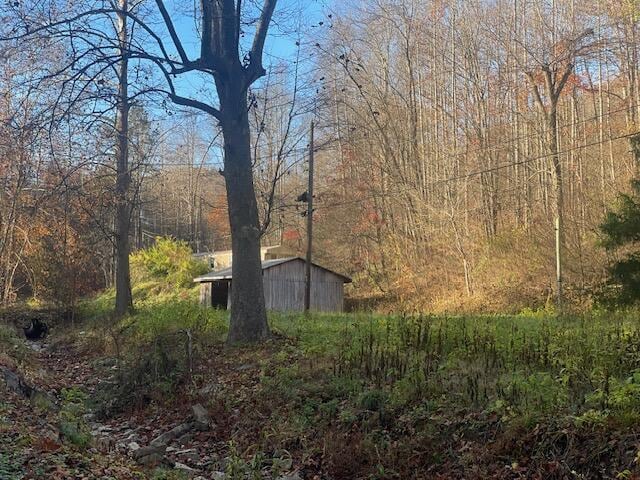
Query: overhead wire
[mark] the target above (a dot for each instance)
(481, 172)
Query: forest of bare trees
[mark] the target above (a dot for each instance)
(478, 145)
(467, 151)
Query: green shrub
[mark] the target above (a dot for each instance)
(71, 422)
(167, 259)
(152, 320)
(7, 335)
(11, 345)
(617, 395)
(160, 343)
(373, 400)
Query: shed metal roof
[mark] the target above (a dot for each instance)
(226, 273)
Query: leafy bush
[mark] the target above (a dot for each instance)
(621, 230)
(167, 259)
(160, 344)
(373, 400)
(617, 395)
(152, 320)
(72, 424)
(7, 336)
(11, 345)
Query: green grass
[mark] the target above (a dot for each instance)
(528, 364)
(385, 385)
(365, 392)
(515, 365)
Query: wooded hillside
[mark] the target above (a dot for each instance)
(451, 138)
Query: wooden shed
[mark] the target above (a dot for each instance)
(284, 285)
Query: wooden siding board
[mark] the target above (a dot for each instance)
(284, 287)
(205, 294)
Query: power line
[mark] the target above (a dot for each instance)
(479, 172)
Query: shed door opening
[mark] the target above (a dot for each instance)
(220, 294)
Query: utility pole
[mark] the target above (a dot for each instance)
(307, 286)
(559, 279)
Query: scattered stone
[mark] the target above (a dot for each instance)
(185, 451)
(246, 366)
(209, 389)
(16, 383)
(89, 417)
(218, 476)
(36, 347)
(133, 446)
(132, 437)
(152, 460)
(184, 439)
(142, 452)
(293, 476)
(104, 443)
(176, 432)
(201, 417)
(51, 436)
(189, 454)
(185, 469)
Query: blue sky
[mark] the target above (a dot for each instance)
(282, 35)
(293, 19)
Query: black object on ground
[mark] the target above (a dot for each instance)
(37, 330)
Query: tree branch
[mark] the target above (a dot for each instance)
(565, 78)
(256, 70)
(189, 102)
(536, 92)
(172, 31)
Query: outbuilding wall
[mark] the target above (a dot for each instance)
(284, 287)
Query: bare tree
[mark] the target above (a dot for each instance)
(221, 25)
(548, 72)
(124, 300)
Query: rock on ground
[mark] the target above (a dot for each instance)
(201, 417)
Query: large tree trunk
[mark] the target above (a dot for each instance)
(124, 301)
(222, 29)
(248, 314)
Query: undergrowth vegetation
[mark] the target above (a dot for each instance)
(73, 427)
(155, 348)
(169, 260)
(12, 349)
(363, 393)
(529, 364)
(386, 386)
